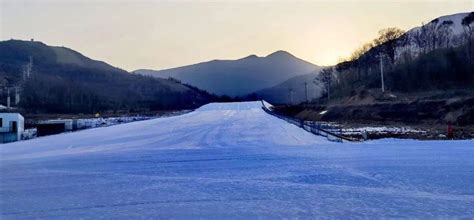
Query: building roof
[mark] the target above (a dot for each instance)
(11, 114)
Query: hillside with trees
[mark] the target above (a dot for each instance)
(423, 78)
(60, 80)
(434, 56)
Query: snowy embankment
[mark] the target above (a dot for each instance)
(227, 161)
(87, 123)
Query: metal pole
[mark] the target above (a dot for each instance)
(381, 72)
(17, 96)
(8, 98)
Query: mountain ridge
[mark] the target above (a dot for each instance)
(237, 77)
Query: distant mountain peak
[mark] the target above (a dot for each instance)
(280, 53)
(238, 77)
(253, 56)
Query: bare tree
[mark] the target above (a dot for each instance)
(420, 38)
(326, 77)
(445, 33)
(389, 40)
(361, 51)
(358, 57)
(468, 24)
(432, 34)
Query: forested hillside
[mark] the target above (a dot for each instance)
(436, 56)
(60, 80)
(421, 78)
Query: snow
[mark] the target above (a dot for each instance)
(231, 160)
(86, 123)
(457, 21)
(457, 27)
(381, 130)
(455, 36)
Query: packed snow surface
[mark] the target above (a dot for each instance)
(231, 161)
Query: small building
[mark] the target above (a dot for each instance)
(55, 126)
(11, 127)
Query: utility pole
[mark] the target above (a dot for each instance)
(27, 68)
(381, 71)
(17, 96)
(8, 98)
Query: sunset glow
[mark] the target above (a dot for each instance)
(164, 34)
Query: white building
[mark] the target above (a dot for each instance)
(11, 127)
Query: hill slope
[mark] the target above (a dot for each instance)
(65, 81)
(280, 93)
(238, 77)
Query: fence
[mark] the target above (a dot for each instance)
(329, 131)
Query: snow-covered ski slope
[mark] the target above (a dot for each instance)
(231, 161)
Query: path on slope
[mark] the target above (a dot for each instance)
(227, 161)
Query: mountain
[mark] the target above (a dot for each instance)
(238, 77)
(280, 94)
(64, 81)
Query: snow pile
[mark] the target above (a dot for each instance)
(267, 105)
(86, 123)
(381, 130)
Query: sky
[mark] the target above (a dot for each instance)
(152, 34)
